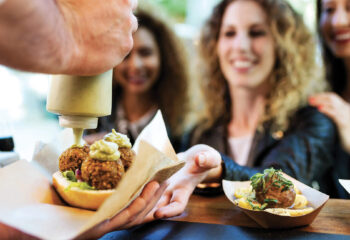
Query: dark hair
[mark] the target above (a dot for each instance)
(171, 89)
(335, 68)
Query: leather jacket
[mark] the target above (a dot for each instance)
(305, 151)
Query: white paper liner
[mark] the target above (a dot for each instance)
(30, 204)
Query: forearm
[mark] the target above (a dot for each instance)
(34, 36)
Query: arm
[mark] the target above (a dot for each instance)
(79, 37)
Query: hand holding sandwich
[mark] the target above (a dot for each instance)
(132, 215)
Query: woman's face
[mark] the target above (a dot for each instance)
(245, 46)
(140, 69)
(335, 26)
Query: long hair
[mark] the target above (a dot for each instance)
(294, 76)
(335, 68)
(170, 91)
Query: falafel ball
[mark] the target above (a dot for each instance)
(102, 174)
(72, 158)
(127, 156)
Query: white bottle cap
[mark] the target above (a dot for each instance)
(78, 122)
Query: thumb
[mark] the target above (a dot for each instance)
(207, 160)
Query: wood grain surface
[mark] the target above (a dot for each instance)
(334, 218)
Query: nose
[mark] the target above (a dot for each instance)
(135, 62)
(340, 18)
(242, 42)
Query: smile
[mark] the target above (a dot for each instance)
(242, 64)
(342, 37)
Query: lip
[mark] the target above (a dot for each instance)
(137, 80)
(341, 36)
(242, 65)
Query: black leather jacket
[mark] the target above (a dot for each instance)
(304, 151)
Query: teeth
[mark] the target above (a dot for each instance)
(243, 64)
(342, 36)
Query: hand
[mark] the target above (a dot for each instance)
(91, 138)
(77, 37)
(338, 110)
(201, 160)
(102, 32)
(7, 232)
(133, 215)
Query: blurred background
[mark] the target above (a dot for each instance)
(23, 112)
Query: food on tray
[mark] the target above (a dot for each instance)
(272, 192)
(88, 175)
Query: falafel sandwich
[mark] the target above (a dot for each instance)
(89, 175)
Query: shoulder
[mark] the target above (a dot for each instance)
(308, 120)
(310, 116)
(199, 134)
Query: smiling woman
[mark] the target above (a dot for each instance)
(259, 67)
(153, 76)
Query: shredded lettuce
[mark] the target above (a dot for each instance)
(70, 176)
(81, 185)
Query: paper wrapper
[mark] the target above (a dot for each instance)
(345, 184)
(29, 203)
(268, 220)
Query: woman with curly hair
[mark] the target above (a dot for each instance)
(260, 67)
(259, 70)
(153, 76)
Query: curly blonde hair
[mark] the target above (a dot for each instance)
(170, 91)
(294, 77)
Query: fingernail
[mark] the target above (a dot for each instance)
(201, 159)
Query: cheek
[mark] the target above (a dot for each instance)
(153, 64)
(222, 48)
(325, 26)
(120, 73)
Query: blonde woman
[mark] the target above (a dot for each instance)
(260, 71)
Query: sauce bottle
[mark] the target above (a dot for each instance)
(80, 100)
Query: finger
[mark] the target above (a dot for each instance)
(208, 160)
(164, 200)
(151, 203)
(134, 4)
(135, 208)
(177, 204)
(171, 210)
(329, 111)
(205, 161)
(326, 98)
(134, 23)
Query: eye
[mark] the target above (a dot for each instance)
(328, 10)
(257, 33)
(145, 52)
(229, 33)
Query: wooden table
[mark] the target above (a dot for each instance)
(334, 218)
